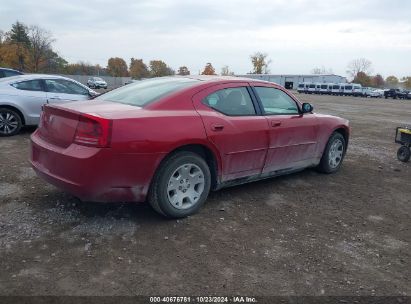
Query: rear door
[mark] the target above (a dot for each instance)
(62, 90)
(292, 136)
(31, 96)
(233, 124)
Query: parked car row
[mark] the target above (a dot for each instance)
(342, 89)
(397, 93)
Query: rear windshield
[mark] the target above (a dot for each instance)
(348, 87)
(312, 86)
(336, 87)
(301, 85)
(324, 86)
(147, 91)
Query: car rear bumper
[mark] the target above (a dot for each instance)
(94, 174)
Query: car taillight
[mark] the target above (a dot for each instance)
(93, 131)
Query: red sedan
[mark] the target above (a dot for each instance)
(171, 140)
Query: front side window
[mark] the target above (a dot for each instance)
(63, 86)
(276, 102)
(29, 85)
(231, 102)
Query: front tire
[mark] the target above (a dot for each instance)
(10, 122)
(333, 154)
(180, 186)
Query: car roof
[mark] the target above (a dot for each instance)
(217, 79)
(31, 77)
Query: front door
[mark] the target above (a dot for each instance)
(233, 126)
(292, 136)
(62, 90)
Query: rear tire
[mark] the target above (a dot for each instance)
(404, 154)
(333, 154)
(10, 122)
(180, 186)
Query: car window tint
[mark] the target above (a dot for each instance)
(231, 101)
(30, 85)
(8, 73)
(275, 101)
(147, 91)
(65, 87)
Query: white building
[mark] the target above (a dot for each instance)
(292, 81)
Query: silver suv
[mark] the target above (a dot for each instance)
(96, 83)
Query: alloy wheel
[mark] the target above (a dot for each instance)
(185, 186)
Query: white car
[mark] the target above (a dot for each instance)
(96, 83)
(371, 92)
(22, 98)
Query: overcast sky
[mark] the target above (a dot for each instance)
(297, 35)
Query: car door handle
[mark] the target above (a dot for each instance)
(275, 124)
(217, 127)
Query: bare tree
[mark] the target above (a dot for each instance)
(359, 65)
(2, 36)
(40, 40)
(260, 63)
(225, 71)
(321, 70)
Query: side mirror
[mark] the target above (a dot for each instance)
(92, 93)
(307, 108)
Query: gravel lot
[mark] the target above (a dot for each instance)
(303, 234)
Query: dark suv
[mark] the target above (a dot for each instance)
(4, 72)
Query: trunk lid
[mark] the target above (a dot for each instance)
(59, 123)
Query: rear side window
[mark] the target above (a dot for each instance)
(231, 102)
(30, 85)
(147, 91)
(276, 102)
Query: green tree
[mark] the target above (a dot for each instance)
(183, 70)
(18, 35)
(117, 67)
(54, 63)
(260, 63)
(159, 68)
(392, 81)
(138, 69)
(208, 70)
